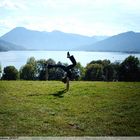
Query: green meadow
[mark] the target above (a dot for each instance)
(44, 108)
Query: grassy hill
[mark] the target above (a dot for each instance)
(34, 108)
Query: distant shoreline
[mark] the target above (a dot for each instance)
(18, 58)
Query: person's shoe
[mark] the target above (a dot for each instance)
(64, 79)
(68, 54)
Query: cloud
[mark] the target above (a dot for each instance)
(12, 5)
(7, 23)
(87, 17)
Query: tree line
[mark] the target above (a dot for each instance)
(100, 70)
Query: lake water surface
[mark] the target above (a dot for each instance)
(19, 58)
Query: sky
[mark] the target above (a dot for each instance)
(86, 17)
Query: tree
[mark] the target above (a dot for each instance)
(41, 69)
(102, 62)
(31, 61)
(59, 73)
(78, 72)
(29, 70)
(109, 72)
(129, 69)
(94, 72)
(43, 72)
(10, 73)
(51, 72)
(0, 71)
(116, 66)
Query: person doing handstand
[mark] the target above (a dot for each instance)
(67, 69)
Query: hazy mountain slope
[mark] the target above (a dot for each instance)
(100, 38)
(6, 46)
(55, 40)
(124, 42)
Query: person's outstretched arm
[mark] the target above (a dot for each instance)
(56, 66)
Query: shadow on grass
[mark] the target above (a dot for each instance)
(59, 94)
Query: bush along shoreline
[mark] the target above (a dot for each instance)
(100, 70)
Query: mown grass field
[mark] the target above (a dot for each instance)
(40, 108)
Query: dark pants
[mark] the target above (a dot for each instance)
(66, 68)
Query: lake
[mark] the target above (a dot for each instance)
(19, 58)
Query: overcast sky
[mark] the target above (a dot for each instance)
(86, 17)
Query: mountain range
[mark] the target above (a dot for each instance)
(124, 42)
(55, 40)
(23, 38)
